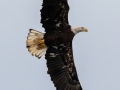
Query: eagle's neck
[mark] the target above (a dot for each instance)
(78, 29)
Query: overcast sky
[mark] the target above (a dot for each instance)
(96, 53)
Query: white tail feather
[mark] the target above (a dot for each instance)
(32, 43)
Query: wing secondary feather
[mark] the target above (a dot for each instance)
(61, 67)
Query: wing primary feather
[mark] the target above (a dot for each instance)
(54, 13)
(59, 72)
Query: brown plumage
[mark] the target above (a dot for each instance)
(61, 67)
(57, 43)
(54, 12)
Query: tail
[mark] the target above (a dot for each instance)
(35, 43)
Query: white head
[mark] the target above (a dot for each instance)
(78, 29)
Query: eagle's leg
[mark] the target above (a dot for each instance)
(40, 43)
(35, 43)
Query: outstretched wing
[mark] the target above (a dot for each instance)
(61, 67)
(54, 14)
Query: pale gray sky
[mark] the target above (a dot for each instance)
(96, 53)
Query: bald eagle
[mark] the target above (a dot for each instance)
(56, 42)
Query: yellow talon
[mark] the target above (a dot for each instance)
(40, 43)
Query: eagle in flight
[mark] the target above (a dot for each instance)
(56, 42)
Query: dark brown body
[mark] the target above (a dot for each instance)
(58, 38)
(64, 34)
